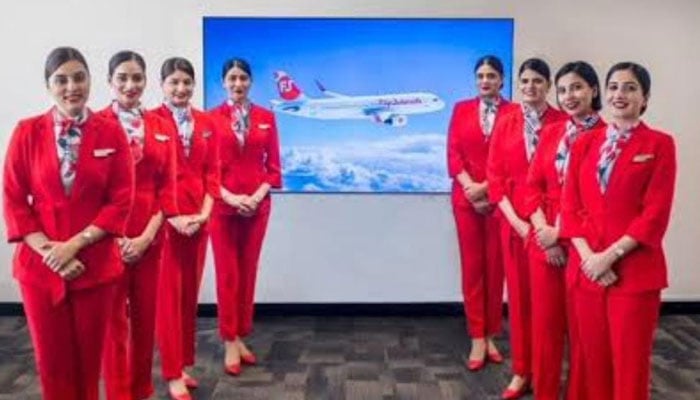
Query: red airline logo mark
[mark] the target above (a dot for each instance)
(288, 90)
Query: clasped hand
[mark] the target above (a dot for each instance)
(598, 268)
(187, 225)
(245, 205)
(476, 194)
(546, 236)
(60, 258)
(132, 249)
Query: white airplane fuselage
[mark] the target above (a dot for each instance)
(379, 107)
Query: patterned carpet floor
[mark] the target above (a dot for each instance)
(360, 358)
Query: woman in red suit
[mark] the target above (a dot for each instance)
(513, 144)
(478, 227)
(616, 207)
(578, 94)
(129, 348)
(250, 167)
(68, 188)
(186, 235)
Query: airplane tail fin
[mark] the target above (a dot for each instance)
(287, 88)
(320, 86)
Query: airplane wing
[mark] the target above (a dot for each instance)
(384, 116)
(376, 112)
(328, 92)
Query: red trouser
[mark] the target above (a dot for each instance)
(178, 293)
(552, 312)
(68, 339)
(617, 334)
(515, 260)
(482, 270)
(236, 242)
(577, 384)
(128, 357)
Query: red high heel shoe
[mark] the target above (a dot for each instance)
(181, 396)
(494, 357)
(512, 394)
(233, 369)
(475, 365)
(190, 382)
(249, 359)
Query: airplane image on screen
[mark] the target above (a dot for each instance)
(389, 109)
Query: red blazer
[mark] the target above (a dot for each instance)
(35, 201)
(198, 174)
(507, 164)
(637, 203)
(245, 168)
(467, 147)
(543, 189)
(155, 173)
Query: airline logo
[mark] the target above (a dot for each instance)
(288, 90)
(400, 102)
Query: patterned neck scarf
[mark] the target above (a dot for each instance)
(609, 151)
(68, 136)
(573, 130)
(488, 109)
(132, 122)
(240, 119)
(185, 126)
(532, 126)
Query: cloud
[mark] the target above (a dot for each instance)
(406, 163)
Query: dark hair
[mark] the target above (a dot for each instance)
(124, 56)
(588, 74)
(60, 56)
(538, 65)
(236, 63)
(173, 64)
(490, 60)
(493, 62)
(639, 72)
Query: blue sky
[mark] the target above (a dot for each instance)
(356, 57)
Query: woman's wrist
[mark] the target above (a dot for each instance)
(201, 218)
(147, 238)
(538, 225)
(83, 239)
(258, 197)
(613, 254)
(41, 248)
(521, 222)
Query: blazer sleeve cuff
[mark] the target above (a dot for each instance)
(531, 205)
(17, 232)
(645, 235)
(169, 209)
(213, 190)
(274, 180)
(112, 222)
(453, 169)
(495, 193)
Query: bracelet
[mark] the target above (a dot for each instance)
(87, 237)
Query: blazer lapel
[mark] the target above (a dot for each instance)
(254, 128)
(628, 151)
(50, 159)
(197, 139)
(149, 136)
(85, 154)
(519, 138)
(476, 116)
